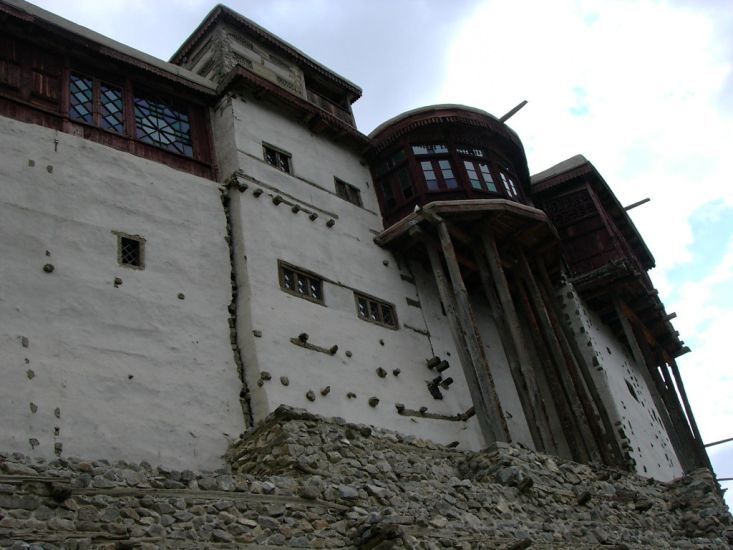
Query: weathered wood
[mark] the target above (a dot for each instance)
(447, 298)
(574, 392)
(522, 367)
(699, 445)
(568, 340)
(473, 339)
(657, 388)
(568, 420)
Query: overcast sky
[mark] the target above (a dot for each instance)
(643, 89)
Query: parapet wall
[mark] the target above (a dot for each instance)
(302, 481)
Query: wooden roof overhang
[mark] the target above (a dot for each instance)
(318, 120)
(456, 119)
(584, 171)
(81, 41)
(512, 224)
(624, 279)
(223, 13)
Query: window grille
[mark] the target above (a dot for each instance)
(300, 283)
(375, 311)
(130, 251)
(158, 123)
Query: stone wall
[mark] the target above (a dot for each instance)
(301, 481)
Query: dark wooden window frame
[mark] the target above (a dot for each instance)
(299, 273)
(350, 193)
(380, 305)
(279, 154)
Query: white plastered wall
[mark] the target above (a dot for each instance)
(130, 372)
(614, 370)
(347, 258)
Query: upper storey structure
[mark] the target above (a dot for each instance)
(445, 152)
(230, 49)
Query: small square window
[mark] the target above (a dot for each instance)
(348, 192)
(130, 250)
(375, 311)
(277, 158)
(301, 283)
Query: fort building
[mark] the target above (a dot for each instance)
(188, 246)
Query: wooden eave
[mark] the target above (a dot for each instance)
(318, 120)
(620, 217)
(30, 23)
(622, 278)
(221, 12)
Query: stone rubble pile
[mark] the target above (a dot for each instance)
(302, 481)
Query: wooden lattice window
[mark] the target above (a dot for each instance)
(130, 250)
(159, 123)
(97, 103)
(300, 283)
(348, 192)
(278, 158)
(375, 311)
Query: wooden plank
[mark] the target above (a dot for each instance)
(447, 298)
(573, 389)
(473, 340)
(521, 364)
(609, 445)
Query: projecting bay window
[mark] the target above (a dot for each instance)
(300, 283)
(375, 311)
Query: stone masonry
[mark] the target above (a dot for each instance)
(303, 481)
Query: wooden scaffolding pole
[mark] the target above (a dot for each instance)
(522, 366)
(473, 339)
(483, 413)
(574, 390)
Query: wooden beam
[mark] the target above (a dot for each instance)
(446, 297)
(521, 364)
(574, 391)
(473, 339)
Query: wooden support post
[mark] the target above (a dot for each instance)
(446, 296)
(567, 339)
(568, 419)
(473, 340)
(566, 369)
(522, 367)
(671, 419)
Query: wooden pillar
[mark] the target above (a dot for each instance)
(483, 413)
(610, 447)
(569, 420)
(565, 368)
(473, 340)
(520, 361)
